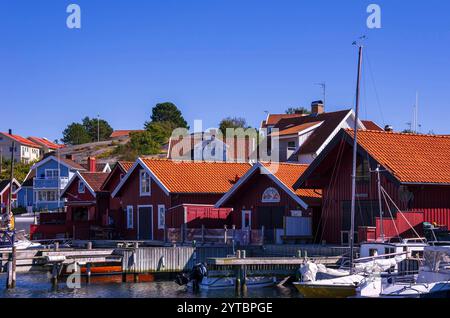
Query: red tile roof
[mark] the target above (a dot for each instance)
(122, 133)
(94, 179)
(126, 165)
(196, 177)
(411, 158)
(290, 130)
(45, 142)
(370, 125)
(71, 163)
(21, 140)
(288, 174)
(273, 119)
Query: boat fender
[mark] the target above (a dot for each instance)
(55, 259)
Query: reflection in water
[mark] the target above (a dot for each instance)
(38, 286)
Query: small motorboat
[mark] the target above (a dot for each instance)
(210, 283)
(20, 241)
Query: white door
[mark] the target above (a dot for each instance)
(246, 220)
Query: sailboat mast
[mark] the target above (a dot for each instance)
(355, 145)
(379, 203)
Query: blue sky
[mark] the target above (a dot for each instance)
(218, 58)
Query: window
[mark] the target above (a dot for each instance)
(270, 195)
(129, 217)
(363, 171)
(81, 186)
(47, 196)
(144, 179)
(51, 173)
(161, 216)
(291, 145)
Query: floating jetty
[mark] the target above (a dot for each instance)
(132, 259)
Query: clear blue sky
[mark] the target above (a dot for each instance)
(218, 58)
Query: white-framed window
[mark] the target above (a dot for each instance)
(47, 196)
(51, 173)
(130, 224)
(144, 182)
(81, 186)
(161, 216)
(296, 213)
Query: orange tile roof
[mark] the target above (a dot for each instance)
(21, 140)
(295, 129)
(273, 119)
(411, 158)
(45, 142)
(370, 125)
(126, 165)
(197, 177)
(288, 174)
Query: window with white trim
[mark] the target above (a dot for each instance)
(130, 217)
(81, 186)
(161, 216)
(144, 182)
(51, 173)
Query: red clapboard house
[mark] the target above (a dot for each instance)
(114, 216)
(4, 194)
(159, 194)
(264, 198)
(414, 173)
(87, 205)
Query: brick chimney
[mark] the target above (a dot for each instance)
(317, 107)
(70, 157)
(92, 164)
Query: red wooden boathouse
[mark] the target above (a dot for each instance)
(415, 173)
(264, 197)
(157, 194)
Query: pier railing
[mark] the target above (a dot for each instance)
(216, 236)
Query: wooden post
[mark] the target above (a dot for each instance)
(182, 233)
(136, 245)
(54, 279)
(237, 285)
(89, 245)
(88, 273)
(11, 278)
(203, 234)
(136, 277)
(124, 277)
(243, 274)
(299, 253)
(56, 246)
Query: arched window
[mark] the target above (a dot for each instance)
(270, 195)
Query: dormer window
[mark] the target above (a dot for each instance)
(144, 181)
(81, 186)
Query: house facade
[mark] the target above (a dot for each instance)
(264, 198)
(4, 194)
(51, 176)
(46, 145)
(25, 150)
(153, 187)
(414, 178)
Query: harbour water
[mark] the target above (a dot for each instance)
(31, 285)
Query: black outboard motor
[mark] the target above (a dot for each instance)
(195, 275)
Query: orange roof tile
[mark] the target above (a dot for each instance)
(295, 129)
(94, 179)
(411, 158)
(21, 140)
(45, 142)
(197, 177)
(273, 119)
(126, 165)
(370, 125)
(288, 174)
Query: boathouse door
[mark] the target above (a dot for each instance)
(145, 222)
(272, 219)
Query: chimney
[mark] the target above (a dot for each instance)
(388, 128)
(70, 157)
(317, 107)
(10, 131)
(92, 164)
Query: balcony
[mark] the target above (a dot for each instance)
(50, 183)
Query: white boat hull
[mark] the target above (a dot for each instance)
(211, 283)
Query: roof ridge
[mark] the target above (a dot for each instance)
(400, 133)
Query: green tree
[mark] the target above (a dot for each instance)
(143, 144)
(297, 110)
(75, 134)
(160, 132)
(167, 112)
(232, 122)
(20, 170)
(94, 126)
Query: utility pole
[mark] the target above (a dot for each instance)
(98, 127)
(9, 210)
(11, 279)
(324, 91)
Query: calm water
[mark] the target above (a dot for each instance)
(38, 286)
